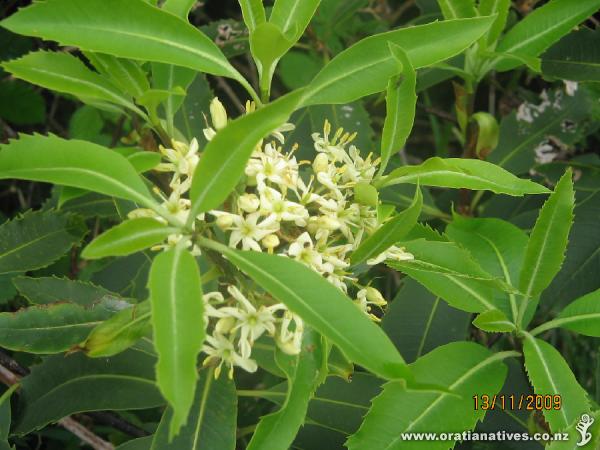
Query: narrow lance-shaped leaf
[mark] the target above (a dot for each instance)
(548, 241)
(464, 368)
(457, 9)
(463, 173)
(401, 103)
(489, 8)
(66, 73)
(131, 29)
(253, 12)
(128, 237)
(126, 74)
(542, 28)
(6, 417)
(168, 77)
(498, 246)
(494, 321)
(304, 372)
(49, 329)
(225, 157)
(178, 325)
(73, 163)
(367, 66)
(576, 57)
(119, 332)
(292, 17)
(550, 374)
(323, 307)
(391, 232)
(450, 272)
(65, 384)
(581, 316)
(37, 239)
(45, 290)
(212, 421)
(180, 8)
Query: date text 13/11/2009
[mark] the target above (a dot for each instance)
(527, 402)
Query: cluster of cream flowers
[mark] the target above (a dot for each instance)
(304, 210)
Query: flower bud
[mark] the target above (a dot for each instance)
(375, 297)
(225, 324)
(218, 114)
(224, 222)
(328, 223)
(270, 241)
(321, 163)
(248, 203)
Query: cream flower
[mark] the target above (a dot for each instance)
(249, 231)
(219, 347)
(394, 253)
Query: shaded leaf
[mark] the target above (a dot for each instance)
(37, 239)
(61, 385)
(212, 421)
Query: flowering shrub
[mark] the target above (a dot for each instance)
(326, 252)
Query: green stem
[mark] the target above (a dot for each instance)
(250, 90)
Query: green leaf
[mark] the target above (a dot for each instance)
(212, 421)
(323, 307)
(550, 374)
(142, 443)
(463, 173)
(577, 275)
(49, 328)
(575, 436)
(6, 417)
(292, 17)
(177, 321)
(366, 194)
(181, 8)
(391, 232)
(37, 239)
(489, 8)
(418, 321)
(253, 12)
(105, 26)
(521, 136)
(63, 385)
(304, 372)
(124, 73)
(464, 368)
(575, 57)
(169, 78)
(46, 290)
(20, 104)
(401, 102)
(119, 332)
(542, 28)
(268, 44)
(494, 321)
(457, 9)
(367, 66)
(548, 241)
(66, 73)
(128, 237)
(498, 246)
(224, 158)
(73, 163)
(451, 273)
(581, 316)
